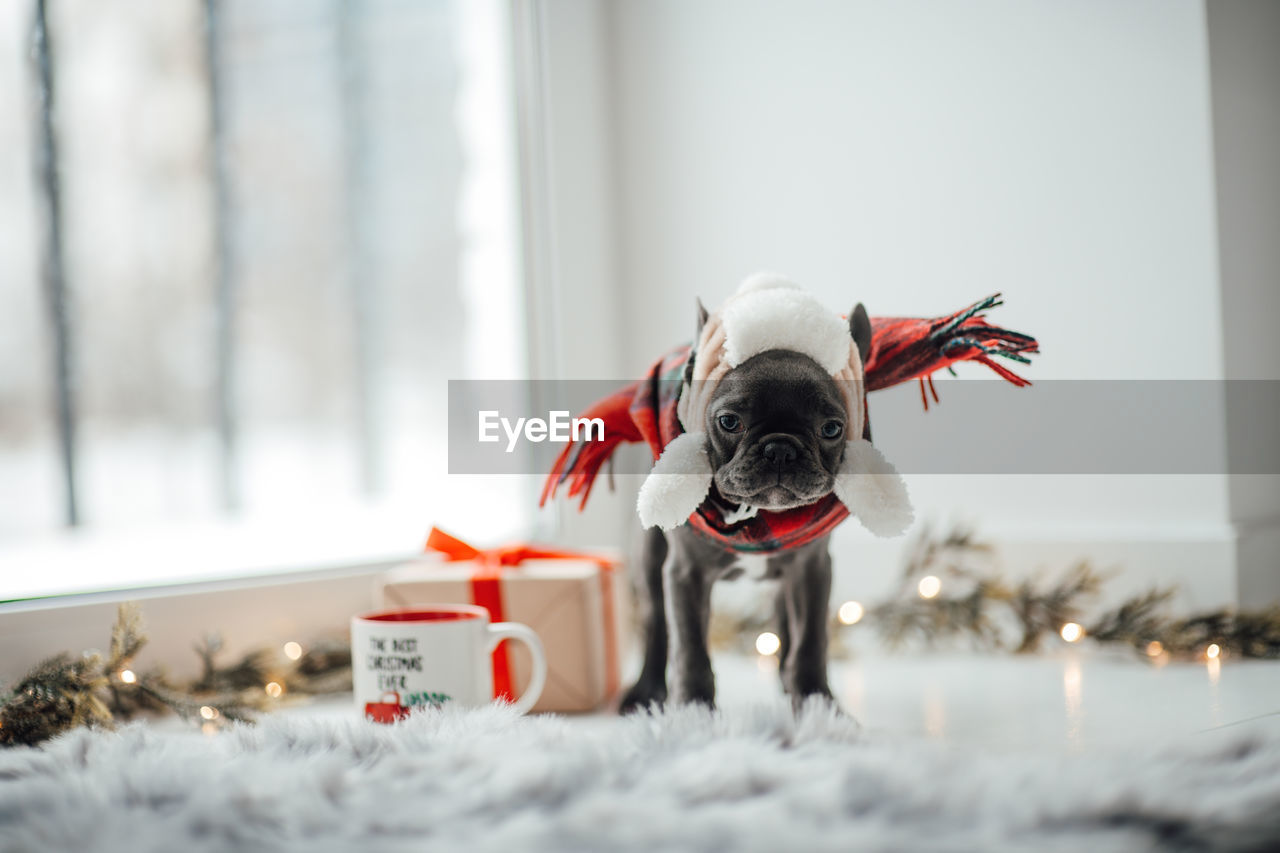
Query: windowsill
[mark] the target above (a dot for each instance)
(255, 583)
(218, 552)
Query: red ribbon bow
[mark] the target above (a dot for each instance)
(455, 549)
(486, 591)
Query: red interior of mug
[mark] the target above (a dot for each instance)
(425, 614)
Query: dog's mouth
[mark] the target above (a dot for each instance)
(776, 496)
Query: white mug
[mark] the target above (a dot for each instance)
(432, 655)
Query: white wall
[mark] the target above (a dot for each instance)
(916, 156)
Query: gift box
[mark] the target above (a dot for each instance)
(575, 602)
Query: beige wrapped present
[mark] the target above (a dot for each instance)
(577, 604)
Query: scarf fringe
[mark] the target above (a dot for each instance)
(580, 461)
(906, 348)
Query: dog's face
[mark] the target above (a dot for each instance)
(776, 427)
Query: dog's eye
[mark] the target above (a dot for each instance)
(832, 429)
(730, 423)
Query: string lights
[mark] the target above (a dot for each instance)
(850, 613)
(104, 689)
(767, 643)
(984, 607)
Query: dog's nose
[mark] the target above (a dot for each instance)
(779, 453)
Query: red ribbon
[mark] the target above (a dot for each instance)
(486, 591)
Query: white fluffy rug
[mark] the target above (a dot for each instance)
(691, 780)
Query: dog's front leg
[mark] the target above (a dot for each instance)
(805, 593)
(651, 687)
(686, 586)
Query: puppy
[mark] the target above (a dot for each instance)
(762, 446)
(776, 438)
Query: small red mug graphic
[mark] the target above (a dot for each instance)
(384, 711)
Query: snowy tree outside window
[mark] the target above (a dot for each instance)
(284, 226)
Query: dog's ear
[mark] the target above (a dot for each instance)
(697, 336)
(860, 328)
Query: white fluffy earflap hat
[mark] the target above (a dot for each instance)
(770, 313)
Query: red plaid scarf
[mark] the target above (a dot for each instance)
(902, 349)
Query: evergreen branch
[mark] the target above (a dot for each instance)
(62, 692)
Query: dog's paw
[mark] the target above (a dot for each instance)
(821, 698)
(643, 696)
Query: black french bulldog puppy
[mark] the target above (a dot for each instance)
(776, 441)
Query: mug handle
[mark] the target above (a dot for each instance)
(500, 631)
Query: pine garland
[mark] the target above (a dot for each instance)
(975, 602)
(63, 692)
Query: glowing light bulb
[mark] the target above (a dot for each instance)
(768, 643)
(208, 712)
(274, 689)
(1072, 632)
(929, 586)
(127, 676)
(1212, 651)
(850, 612)
(1155, 648)
(292, 650)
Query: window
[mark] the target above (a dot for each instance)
(280, 226)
